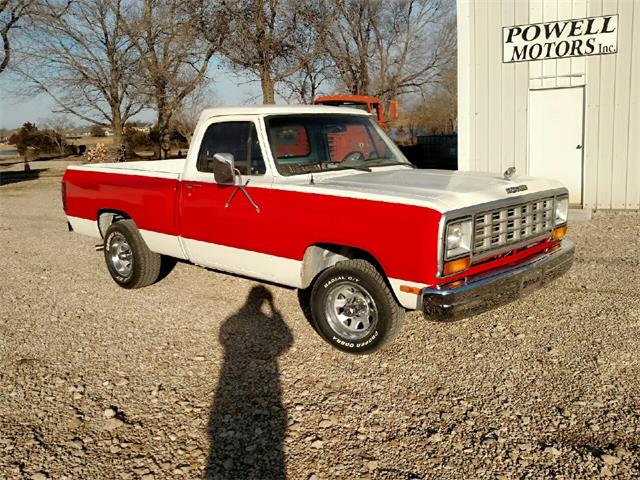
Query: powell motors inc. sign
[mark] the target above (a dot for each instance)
(561, 39)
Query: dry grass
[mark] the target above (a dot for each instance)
(90, 141)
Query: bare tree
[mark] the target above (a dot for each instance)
(436, 110)
(79, 56)
(57, 128)
(173, 61)
(304, 85)
(269, 40)
(186, 116)
(11, 13)
(414, 41)
(388, 48)
(350, 41)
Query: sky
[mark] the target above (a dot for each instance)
(15, 111)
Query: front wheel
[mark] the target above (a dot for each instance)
(129, 260)
(353, 309)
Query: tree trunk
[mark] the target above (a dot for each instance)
(268, 89)
(157, 151)
(116, 125)
(163, 145)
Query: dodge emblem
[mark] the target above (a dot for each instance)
(516, 189)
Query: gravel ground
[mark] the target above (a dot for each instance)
(97, 382)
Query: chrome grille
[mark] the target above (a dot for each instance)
(512, 225)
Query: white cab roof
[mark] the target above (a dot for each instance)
(279, 110)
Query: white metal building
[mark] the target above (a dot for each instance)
(552, 87)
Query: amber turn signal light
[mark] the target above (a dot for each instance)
(559, 233)
(408, 289)
(456, 266)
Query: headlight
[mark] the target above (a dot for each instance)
(458, 238)
(562, 210)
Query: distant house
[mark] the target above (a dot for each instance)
(142, 128)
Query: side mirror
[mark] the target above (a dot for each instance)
(223, 169)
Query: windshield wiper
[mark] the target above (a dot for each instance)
(352, 167)
(342, 166)
(390, 164)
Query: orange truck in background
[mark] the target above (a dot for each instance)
(372, 105)
(436, 151)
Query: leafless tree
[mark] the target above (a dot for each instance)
(304, 85)
(269, 40)
(57, 128)
(11, 14)
(79, 56)
(173, 60)
(436, 110)
(186, 116)
(389, 48)
(414, 41)
(350, 41)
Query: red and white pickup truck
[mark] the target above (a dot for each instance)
(320, 199)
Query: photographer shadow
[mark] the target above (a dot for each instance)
(248, 421)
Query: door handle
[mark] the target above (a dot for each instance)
(578, 147)
(192, 185)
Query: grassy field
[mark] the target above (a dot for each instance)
(91, 141)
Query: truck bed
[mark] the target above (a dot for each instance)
(144, 191)
(162, 168)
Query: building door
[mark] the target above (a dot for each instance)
(556, 136)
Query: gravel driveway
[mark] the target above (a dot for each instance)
(97, 382)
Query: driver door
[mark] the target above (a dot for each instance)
(219, 228)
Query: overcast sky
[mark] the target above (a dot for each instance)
(16, 111)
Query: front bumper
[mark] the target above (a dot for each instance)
(497, 288)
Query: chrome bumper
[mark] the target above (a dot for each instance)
(496, 288)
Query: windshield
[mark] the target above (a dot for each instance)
(314, 143)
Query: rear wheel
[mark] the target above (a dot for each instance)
(353, 309)
(129, 260)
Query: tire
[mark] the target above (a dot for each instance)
(353, 309)
(304, 300)
(129, 260)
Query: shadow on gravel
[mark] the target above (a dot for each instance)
(7, 178)
(248, 421)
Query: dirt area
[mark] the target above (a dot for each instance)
(202, 368)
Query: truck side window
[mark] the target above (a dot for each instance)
(237, 138)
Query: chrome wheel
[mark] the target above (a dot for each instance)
(120, 255)
(350, 310)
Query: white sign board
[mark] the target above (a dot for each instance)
(561, 39)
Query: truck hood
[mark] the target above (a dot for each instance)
(441, 190)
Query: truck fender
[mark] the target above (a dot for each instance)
(317, 259)
(106, 218)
